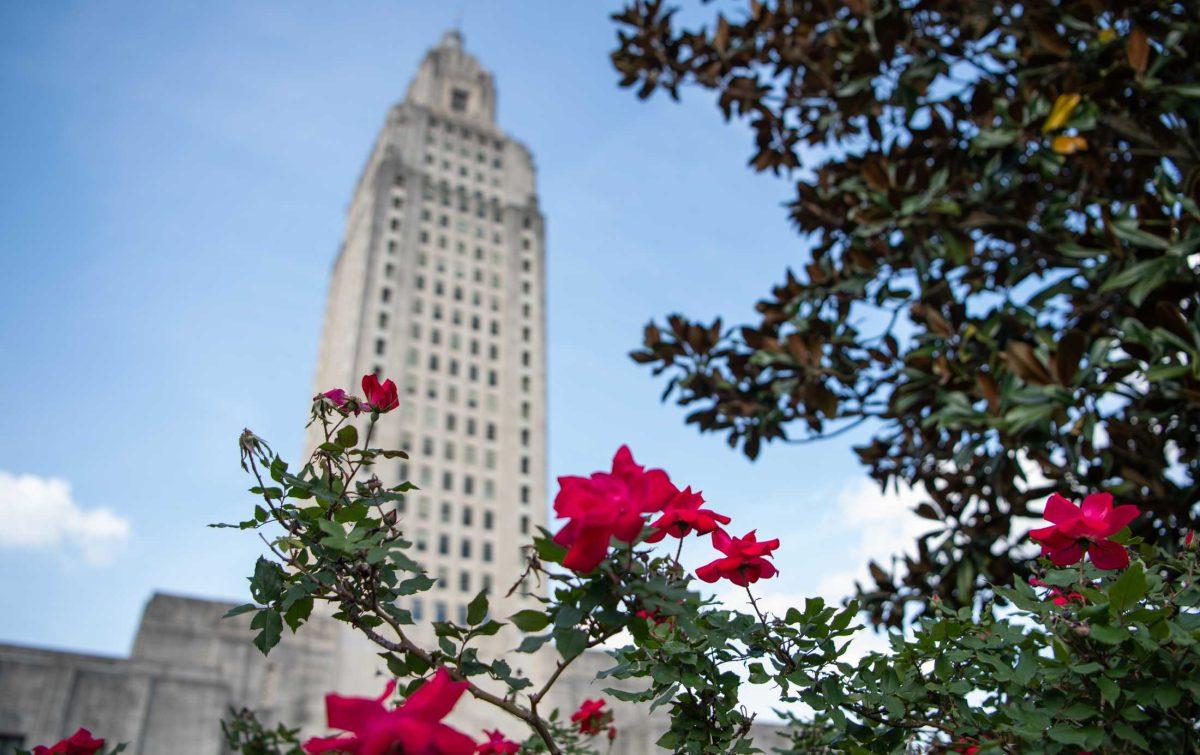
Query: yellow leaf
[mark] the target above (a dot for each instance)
(1061, 112)
(1068, 145)
(1106, 35)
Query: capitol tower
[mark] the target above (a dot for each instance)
(439, 284)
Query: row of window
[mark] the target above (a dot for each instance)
(425, 475)
(462, 172)
(440, 610)
(464, 150)
(465, 132)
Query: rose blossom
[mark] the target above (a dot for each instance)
(1076, 531)
(380, 397)
(415, 727)
(592, 717)
(683, 515)
(607, 505)
(80, 743)
(497, 744)
(744, 560)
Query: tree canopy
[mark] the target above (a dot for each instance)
(999, 202)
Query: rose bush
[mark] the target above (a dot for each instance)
(1097, 652)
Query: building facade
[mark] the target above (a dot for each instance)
(440, 285)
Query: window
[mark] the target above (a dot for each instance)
(524, 524)
(487, 552)
(444, 545)
(466, 516)
(465, 548)
(458, 100)
(439, 610)
(464, 581)
(489, 520)
(417, 609)
(380, 346)
(385, 295)
(524, 494)
(445, 512)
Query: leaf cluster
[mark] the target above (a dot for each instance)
(1000, 205)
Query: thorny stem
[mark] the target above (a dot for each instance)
(350, 601)
(780, 653)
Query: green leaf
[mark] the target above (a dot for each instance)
(570, 642)
(270, 628)
(298, 613)
(266, 585)
(239, 610)
(1107, 634)
(1129, 734)
(347, 437)
(1110, 691)
(1128, 589)
(477, 609)
(533, 643)
(530, 620)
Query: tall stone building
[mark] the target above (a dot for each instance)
(440, 285)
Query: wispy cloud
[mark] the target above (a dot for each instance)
(877, 525)
(39, 513)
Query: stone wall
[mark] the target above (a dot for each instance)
(189, 666)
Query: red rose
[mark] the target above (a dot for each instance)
(607, 505)
(592, 717)
(80, 743)
(682, 515)
(380, 398)
(1076, 531)
(744, 561)
(415, 727)
(497, 744)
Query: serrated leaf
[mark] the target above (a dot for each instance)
(270, 629)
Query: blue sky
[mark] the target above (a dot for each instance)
(172, 196)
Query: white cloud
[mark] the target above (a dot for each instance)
(39, 513)
(879, 525)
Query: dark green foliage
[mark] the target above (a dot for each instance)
(246, 735)
(996, 286)
(1117, 672)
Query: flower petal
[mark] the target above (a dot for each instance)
(1118, 519)
(435, 699)
(331, 744)
(1065, 556)
(1109, 555)
(588, 550)
(1060, 511)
